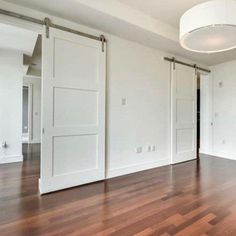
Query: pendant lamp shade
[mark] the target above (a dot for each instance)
(209, 27)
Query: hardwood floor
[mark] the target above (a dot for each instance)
(194, 198)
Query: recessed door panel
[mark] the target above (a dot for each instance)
(75, 107)
(76, 61)
(74, 154)
(185, 111)
(185, 141)
(184, 86)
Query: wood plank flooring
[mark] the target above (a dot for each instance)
(193, 198)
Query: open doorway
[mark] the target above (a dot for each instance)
(198, 114)
(26, 114)
(31, 98)
(204, 116)
(205, 113)
(20, 100)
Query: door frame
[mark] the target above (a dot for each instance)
(206, 110)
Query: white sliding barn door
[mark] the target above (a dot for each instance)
(183, 114)
(73, 111)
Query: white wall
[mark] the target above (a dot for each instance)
(219, 108)
(141, 76)
(35, 83)
(224, 110)
(11, 81)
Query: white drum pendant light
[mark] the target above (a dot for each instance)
(209, 27)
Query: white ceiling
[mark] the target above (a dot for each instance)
(18, 39)
(152, 22)
(168, 11)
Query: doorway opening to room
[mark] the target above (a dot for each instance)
(203, 113)
(198, 114)
(20, 103)
(26, 114)
(31, 95)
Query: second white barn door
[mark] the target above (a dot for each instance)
(73, 111)
(183, 114)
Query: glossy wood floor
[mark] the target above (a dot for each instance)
(186, 199)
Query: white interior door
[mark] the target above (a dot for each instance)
(73, 111)
(183, 114)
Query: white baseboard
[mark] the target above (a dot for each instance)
(35, 142)
(182, 160)
(135, 168)
(11, 159)
(205, 152)
(230, 156)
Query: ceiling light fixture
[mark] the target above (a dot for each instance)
(209, 27)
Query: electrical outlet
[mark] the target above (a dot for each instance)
(139, 150)
(4, 144)
(123, 102)
(149, 148)
(153, 148)
(221, 85)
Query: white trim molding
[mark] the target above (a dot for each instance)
(11, 159)
(136, 168)
(230, 156)
(35, 142)
(205, 152)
